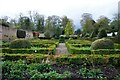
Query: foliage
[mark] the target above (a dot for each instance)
(69, 30)
(52, 23)
(94, 33)
(47, 34)
(44, 50)
(117, 46)
(103, 22)
(20, 43)
(39, 21)
(4, 22)
(90, 73)
(87, 23)
(83, 47)
(25, 23)
(118, 36)
(114, 25)
(37, 46)
(78, 32)
(102, 44)
(21, 33)
(102, 33)
(58, 32)
(62, 39)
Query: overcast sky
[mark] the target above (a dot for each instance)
(71, 8)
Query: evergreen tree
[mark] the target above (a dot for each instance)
(69, 30)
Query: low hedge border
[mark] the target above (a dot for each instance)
(79, 59)
(96, 59)
(86, 50)
(28, 57)
(36, 44)
(50, 50)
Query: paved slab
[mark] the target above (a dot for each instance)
(61, 49)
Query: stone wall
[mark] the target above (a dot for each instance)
(8, 34)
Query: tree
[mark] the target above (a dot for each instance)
(94, 33)
(25, 23)
(13, 23)
(117, 17)
(38, 22)
(4, 21)
(64, 23)
(78, 32)
(87, 23)
(53, 23)
(69, 30)
(103, 22)
(58, 32)
(49, 26)
(114, 26)
(102, 33)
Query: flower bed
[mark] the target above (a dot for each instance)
(38, 46)
(73, 66)
(83, 47)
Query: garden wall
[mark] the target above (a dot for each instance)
(8, 34)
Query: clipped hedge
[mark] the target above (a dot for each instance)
(44, 42)
(83, 42)
(20, 43)
(37, 46)
(85, 49)
(96, 59)
(50, 50)
(5, 45)
(27, 57)
(117, 46)
(102, 44)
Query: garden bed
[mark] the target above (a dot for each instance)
(83, 47)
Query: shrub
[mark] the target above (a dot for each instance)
(20, 43)
(47, 34)
(102, 33)
(117, 46)
(62, 39)
(102, 44)
(21, 33)
(117, 38)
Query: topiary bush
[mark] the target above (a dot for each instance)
(102, 44)
(102, 33)
(20, 43)
(21, 33)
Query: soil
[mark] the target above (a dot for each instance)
(110, 72)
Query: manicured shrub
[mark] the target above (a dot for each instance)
(117, 46)
(102, 44)
(20, 43)
(102, 33)
(62, 39)
(21, 33)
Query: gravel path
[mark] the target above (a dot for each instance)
(61, 49)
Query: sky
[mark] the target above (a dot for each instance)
(73, 9)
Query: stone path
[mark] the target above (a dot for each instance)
(61, 49)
